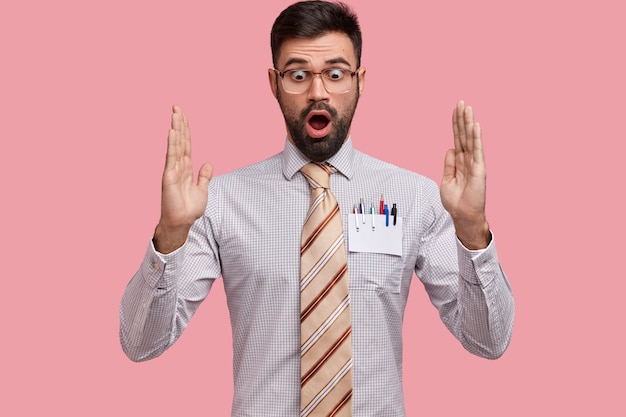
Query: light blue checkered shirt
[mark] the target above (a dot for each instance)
(258, 257)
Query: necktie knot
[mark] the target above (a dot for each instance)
(318, 175)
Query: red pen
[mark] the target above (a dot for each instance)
(382, 205)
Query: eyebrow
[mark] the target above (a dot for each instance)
(339, 60)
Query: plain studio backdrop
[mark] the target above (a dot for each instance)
(85, 93)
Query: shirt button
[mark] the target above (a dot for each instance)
(156, 266)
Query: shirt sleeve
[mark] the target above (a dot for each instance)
(484, 320)
(468, 287)
(164, 294)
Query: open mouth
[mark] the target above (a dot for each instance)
(318, 124)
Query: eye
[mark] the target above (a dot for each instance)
(299, 75)
(334, 74)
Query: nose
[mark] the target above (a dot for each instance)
(317, 90)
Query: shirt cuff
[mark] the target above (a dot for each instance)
(160, 269)
(479, 266)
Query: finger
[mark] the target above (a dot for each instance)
(180, 123)
(204, 176)
(173, 150)
(455, 130)
(176, 111)
(460, 111)
(468, 120)
(186, 133)
(184, 122)
(478, 153)
(176, 121)
(174, 146)
(183, 116)
(176, 127)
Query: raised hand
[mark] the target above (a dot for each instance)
(183, 201)
(464, 180)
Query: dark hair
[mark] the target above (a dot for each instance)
(314, 18)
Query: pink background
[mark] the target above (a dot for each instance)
(85, 96)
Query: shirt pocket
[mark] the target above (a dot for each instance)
(375, 271)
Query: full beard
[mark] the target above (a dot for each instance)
(319, 149)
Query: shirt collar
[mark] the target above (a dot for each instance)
(293, 160)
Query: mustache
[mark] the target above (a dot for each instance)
(318, 106)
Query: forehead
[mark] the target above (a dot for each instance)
(330, 48)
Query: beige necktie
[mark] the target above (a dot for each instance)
(326, 343)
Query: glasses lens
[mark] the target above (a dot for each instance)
(297, 81)
(337, 80)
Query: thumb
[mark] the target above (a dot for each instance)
(449, 166)
(204, 175)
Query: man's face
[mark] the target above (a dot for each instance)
(318, 122)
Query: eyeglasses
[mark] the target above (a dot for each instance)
(335, 80)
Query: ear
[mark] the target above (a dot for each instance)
(361, 75)
(272, 76)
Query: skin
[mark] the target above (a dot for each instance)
(464, 180)
(332, 50)
(182, 200)
(463, 185)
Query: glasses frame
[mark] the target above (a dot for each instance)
(283, 73)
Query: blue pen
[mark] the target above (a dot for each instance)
(386, 215)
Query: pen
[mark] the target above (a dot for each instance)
(373, 218)
(382, 205)
(356, 217)
(386, 210)
(394, 213)
(362, 210)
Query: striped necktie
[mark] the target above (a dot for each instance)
(325, 329)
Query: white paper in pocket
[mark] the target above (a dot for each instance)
(374, 235)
